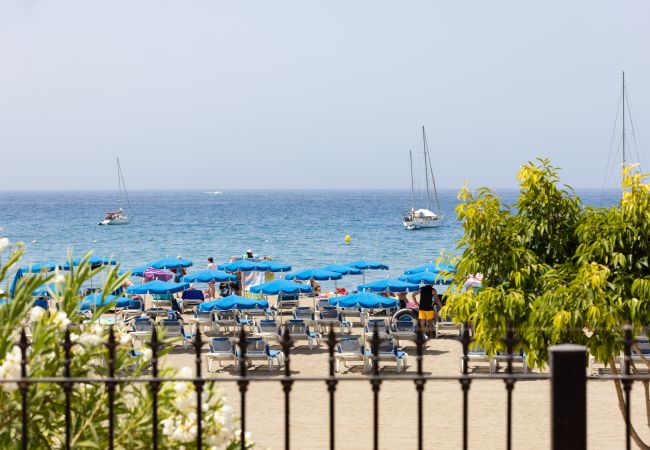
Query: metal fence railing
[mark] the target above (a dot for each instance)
(568, 386)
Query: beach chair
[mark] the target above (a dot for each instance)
(405, 328)
(330, 316)
(260, 314)
(267, 330)
(190, 299)
(289, 301)
(350, 349)
(447, 324)
(141, 330)
(257, 349)
(221, 349)
(644, 346)
(304, 313)
(322, 301)
(476, 354)
(387, 351)
(517, 358)
(241, 321)
(201, 319)
(134, 309)
(354, 312)
(224, 319)
(161, 301)
(376, 324)
(299, 330)
(173, 329)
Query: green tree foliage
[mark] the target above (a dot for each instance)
(557, 271)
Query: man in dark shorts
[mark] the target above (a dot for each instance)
(427, 313)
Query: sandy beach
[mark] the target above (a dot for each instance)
(398, 408)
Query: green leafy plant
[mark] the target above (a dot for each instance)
(89, 405)
(554, 270)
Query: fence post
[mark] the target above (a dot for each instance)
(568, 397)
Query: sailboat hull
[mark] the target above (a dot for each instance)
(120, 221)
(418, 224)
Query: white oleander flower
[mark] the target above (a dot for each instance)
(10, 369)
(58, 277)
(90, 339)
(36, 314)
(4, 243)
(126, 339)
(147, 354)
(60, 319)
(186, 372)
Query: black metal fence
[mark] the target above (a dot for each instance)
(568, 387)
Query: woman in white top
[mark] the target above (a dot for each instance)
(211, 290)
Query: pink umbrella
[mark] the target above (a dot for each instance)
(157, 274)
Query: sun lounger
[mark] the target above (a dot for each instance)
(305, 313)
(224, 319)
(387, 351)
(330, 316)
(446, 324)
(221, 349)
(405, 328)
(257, 349)
(190, 299)
(376, 324)
(476, 354)
(517, 358)
(141, 330)
(299, 330)
(644, 346)
(268, 330)
(350, 349)
(173, 328)
(201, 319)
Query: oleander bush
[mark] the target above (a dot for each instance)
(89, 406)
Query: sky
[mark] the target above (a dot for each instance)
(218, 95)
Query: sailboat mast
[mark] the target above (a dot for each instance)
(412, 186)
(623, 117)
(433, 182)
(426, 170)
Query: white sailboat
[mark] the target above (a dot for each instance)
(416, 219)
(120, 216)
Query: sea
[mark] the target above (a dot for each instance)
(305, 228)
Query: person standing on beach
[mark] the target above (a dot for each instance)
(211, 290)
(427, 314)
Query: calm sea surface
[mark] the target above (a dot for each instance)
(303, 228)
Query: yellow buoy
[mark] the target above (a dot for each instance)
(347, 238)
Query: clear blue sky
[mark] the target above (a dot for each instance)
(327, 94)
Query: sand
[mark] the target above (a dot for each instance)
(398, 408)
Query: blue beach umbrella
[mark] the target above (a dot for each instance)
(48, 290)
(171, 263)
(279, 287)
(95, 301)
(314, 274)
(94, 261)
(272, 266)
(139, 271)
(343, 269)
(389, 285)
(366, 264)
(429, 278)
(364, 300)
(241, 265)
(157, 287)
(38, 267)
(233, 302)
(433, 267)
(209, 276)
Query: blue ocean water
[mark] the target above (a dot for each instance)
(303, 228)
